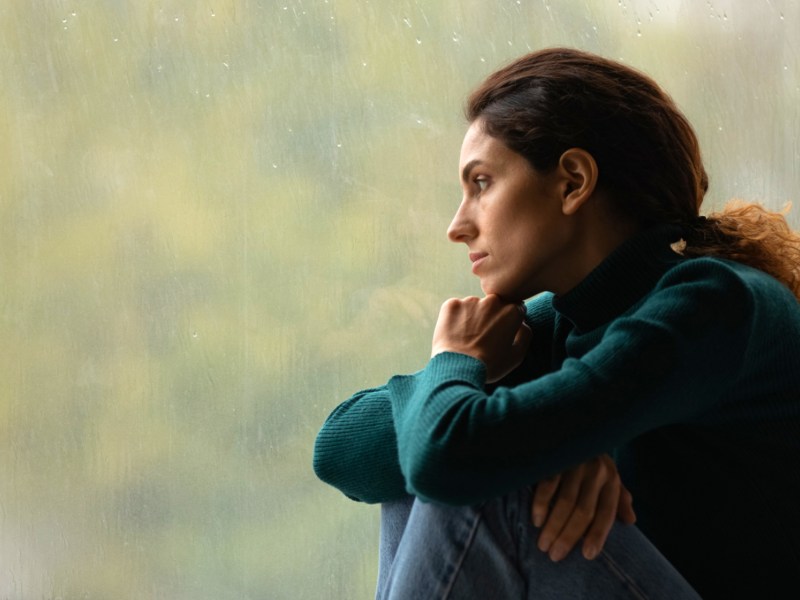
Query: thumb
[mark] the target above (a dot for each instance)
(521, 341)
(625, 511)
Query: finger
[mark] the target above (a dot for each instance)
(605, 516)
(625, 512)
(584, 512)
(545, 490)
(493, 302)
(559, 513)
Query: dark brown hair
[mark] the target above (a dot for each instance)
(647, 153)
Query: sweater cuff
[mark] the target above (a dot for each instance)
(444, 367)
(450, 366)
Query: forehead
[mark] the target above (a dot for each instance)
(476, 141)
(479, 145)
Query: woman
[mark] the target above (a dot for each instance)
(666, 339)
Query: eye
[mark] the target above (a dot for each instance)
(481, 182)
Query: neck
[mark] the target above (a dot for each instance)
(597, 233)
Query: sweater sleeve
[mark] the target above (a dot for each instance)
(667, 360)
(356, 449)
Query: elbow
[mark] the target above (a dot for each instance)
(328, 460)
(329, 470)
(321, 463)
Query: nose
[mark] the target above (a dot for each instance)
(462, 227)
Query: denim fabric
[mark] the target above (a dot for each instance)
(489, 551)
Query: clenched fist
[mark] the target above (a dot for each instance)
(489, 329)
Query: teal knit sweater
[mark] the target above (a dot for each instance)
(687, 370)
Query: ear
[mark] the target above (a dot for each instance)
(578, 173)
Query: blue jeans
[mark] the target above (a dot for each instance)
(432, 552)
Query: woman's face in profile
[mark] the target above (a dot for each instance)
(510, 218)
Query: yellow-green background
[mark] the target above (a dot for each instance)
(219, 218)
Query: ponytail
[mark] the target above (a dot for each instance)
(749, 233)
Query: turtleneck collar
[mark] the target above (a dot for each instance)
(627, 274)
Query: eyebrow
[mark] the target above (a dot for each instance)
(468, 167)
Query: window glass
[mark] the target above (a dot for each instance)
(219, 219)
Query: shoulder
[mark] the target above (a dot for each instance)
(724, 274)
(717, 288)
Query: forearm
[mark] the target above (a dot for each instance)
(460, 444)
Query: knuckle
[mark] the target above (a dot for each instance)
(471, 301)
(584, 513)
(451, 303)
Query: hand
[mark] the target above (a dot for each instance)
(581, 502)
(489, 329)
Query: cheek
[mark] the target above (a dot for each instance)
(523, 231)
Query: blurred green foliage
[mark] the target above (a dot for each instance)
(220, 218)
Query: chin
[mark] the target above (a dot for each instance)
(512, 289)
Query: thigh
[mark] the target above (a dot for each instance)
(489, 551)
(448, 552)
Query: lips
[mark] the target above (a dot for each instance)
(477, 258)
